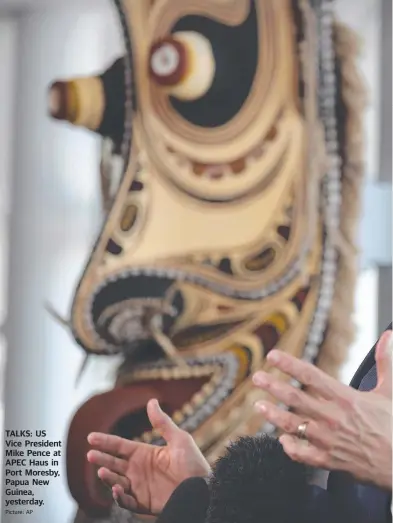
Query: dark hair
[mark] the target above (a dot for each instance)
(256, 482)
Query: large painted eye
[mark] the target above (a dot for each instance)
(183, 64)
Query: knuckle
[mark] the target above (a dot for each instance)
(329, 443)
(347, 403)
(307, 376)
(268, 383)
(319, 461)
(286, 365)
(333, 423)
(293, 397)
(294, 454)
(287, 425)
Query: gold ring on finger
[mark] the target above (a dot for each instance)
(302, 430)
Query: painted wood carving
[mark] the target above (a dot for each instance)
(231, 177)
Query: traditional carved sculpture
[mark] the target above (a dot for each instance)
(238, 123)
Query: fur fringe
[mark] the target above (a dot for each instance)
(340, 332)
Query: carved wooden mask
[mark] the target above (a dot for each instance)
(231, 230)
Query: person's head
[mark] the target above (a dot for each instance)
(256, 482)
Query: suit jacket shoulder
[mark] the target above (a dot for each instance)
(366, 365)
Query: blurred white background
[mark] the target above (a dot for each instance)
(48, 172)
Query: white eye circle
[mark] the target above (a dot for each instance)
(165, 60)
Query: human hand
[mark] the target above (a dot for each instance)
(347, 430)
(142, 477)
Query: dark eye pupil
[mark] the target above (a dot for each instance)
(235, 51)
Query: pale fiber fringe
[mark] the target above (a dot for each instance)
(340, 331)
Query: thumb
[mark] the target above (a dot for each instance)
(383, 357)
(161, 422)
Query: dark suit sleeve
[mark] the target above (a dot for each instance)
(365, 505)
(319, 507)
(327, 506)
(366, 365)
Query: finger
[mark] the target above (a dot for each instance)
(304, 452)
(111, 478)
(122, 499)
(308, 375)
(161, 422)
(290, 395)
(107, 461)
(111, 444)
(290, 422)
(383, 358)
